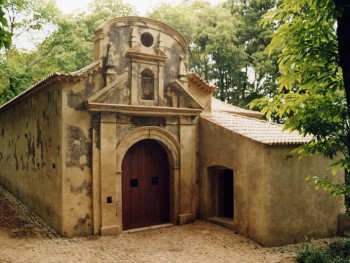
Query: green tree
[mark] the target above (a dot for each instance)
(100, 11)
(259, 72)
(217, 52)
(211, 33)
(5, 36)
(19, 72)
(312, 46)
(19, 69)
(227, 45)
(181, 16)
(29, 21)
(70, 46)
(67, 49)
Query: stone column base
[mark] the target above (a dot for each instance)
(110, 230)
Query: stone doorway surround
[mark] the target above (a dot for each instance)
(108, 176)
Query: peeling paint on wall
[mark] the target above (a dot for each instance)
(79, 148)
(83, 224)
(84, 186)
(76, 99)
(96, 130)
(27, 146)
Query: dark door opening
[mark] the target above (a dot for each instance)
(220, 191)
(225, 193)
(145, 184)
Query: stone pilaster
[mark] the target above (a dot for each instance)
(108, 175)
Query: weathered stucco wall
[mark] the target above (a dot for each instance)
(221, 147)
(296, 210)
(273, 204)
(31, 153)
(77, 155)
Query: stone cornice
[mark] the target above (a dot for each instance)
(142, 110)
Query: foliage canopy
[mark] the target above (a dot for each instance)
(5, 36)
(227, 46)
(311, 95)
(66, 49)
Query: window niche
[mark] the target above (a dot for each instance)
(147, 84)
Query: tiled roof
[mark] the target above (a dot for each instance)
(254, 129)
(218, 105)
(193, 77)
(72, 77)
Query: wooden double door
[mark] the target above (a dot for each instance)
(146, 187)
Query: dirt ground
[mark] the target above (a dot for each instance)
(26, 238)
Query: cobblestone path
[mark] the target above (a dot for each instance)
(24, 237)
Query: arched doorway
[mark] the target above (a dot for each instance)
(145, 185)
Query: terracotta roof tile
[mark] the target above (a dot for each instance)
(254, 129)
(218, 105)
(56, 76)
(193, 77)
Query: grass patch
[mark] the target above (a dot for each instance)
(336, 252)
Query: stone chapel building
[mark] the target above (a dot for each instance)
(135, 140)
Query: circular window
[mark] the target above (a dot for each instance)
(147, 39)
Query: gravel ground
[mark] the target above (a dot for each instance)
(26, 238)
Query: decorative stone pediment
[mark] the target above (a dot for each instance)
(178, 96)
(113, 92)
(145, 69)
(182, 103)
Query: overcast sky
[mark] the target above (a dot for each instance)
(143, 6)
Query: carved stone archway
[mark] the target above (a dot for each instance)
(172, 148)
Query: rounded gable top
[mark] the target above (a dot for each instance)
(143, 22)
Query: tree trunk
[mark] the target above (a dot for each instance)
(343, 34)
